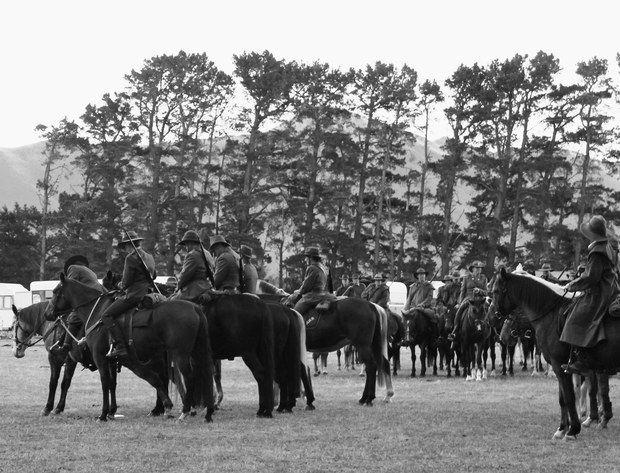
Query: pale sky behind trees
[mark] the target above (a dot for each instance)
(58, 56)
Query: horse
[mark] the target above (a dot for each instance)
(516, 329)
(31, 321)
(241, 325)
(545, 306)
(362, 324)
(173, 331)
(423, 333)
(474, 339)
(396, 333)
(445, 350)
(322, 358)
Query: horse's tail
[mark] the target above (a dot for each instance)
(202, 363)
(295, 351)
(380, 344)
(266, 348)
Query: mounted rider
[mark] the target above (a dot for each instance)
(250, 275)
(137, 281)
(356, 288)
(193, 281)
(378, 291)
(314, 286)
(599, 282)
(344, 285)
(546, 274)
(226, 276)
(420, 298)
(475, 283)
(76, 267)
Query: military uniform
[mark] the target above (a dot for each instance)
(226, 275)
(378, 292)
(313, 288)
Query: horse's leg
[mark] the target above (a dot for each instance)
(265, 386)
(113, 377)
(217, 377)
(55, 367)
(64, 386)
(395, 358)
(592, 392)
(339, 355)
(371, 375)
(306, 380)
(104, 376)
(423, 359)
(324, 362)
(570, 424)
(493, 354)
(511, 360)
(603, 390)
(412, 347)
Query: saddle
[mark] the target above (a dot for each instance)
(326, 303)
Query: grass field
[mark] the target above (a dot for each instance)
(433, 425)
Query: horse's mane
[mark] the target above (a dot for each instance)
(535, 292)
(34, 314)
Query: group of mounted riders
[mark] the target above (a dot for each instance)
(223, 270)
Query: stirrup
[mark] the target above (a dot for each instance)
(81, 342)
(117, 352)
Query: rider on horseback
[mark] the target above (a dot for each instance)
(226, 276)
(583, 328)
(193, 281)
(356, 289)
(250, 275)
(138, 275)
(546, 274)
(378, 291)
(76, 267)
(313, 288)
(420, 298)
(474, 280)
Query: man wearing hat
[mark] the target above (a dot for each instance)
(138, 275)
(420, 298)
(356, 288)
(546, 274)
(250, 275)
(192, 282)
(443, 293)
(378, 291)
(475, 280)
(313, 288)
(76, 267)
(344, 285)
(227, 269)
(583, 328)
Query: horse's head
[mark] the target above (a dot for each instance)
(21, 333)
(502, 302)
(59, 303)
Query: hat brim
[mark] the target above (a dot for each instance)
(590, 235)
(126, 242)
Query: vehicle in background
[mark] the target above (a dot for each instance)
(398, 296)
(11, 294)
(42, 290)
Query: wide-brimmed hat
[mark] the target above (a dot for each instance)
(420, 271)
(447, 277)
(245, 251)
(75, 259)
(545, 267)
(345, 276)
(218, 240)
(476, 264)
(456, 275)
(312, 251)
(129, 237)
(595, 229)
(190, 237)
(355, 276)
(379, 277)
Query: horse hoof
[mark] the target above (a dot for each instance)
(559, 434)
(587, 422)
(183, 417)
(602, 424)
(45, 412)
(570, 438)
(310, 407)
(324, 373)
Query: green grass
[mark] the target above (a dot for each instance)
(433, 424)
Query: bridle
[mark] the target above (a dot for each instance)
(26, 341)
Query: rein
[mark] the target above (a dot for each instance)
(26, 341)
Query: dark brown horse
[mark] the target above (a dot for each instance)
(544, 305)
(422, 333)
(362, 324)
(241, 325)
(475, 335)
(29, 322)
(171, 332)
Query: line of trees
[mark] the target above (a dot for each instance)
(283, 155)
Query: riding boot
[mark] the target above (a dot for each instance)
(582, 362)
(120, 349)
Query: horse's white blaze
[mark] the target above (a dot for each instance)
(559, 434)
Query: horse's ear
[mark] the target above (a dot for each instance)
(62, 277)
(14, 309)
(502, 272)
(109, 274)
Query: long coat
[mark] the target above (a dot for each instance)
(226, 275)
(470, 283)
(136, 281)
(583, 326)
(250, 278)
(192, 281)
(379, 293)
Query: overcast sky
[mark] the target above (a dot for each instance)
(58, 56)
